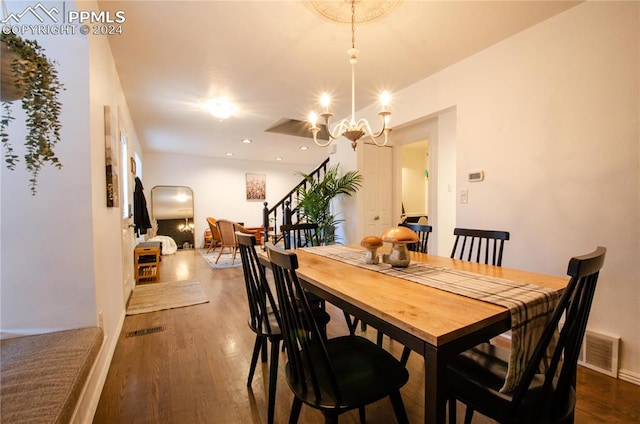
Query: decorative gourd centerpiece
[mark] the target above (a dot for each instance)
(371, 243)
(399, 237)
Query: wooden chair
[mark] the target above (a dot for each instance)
(227, 230)
(423, 232)
(469, 245)
(300, 235)
(215, 235)
(334, 375)
(476, 376)
(264, 319)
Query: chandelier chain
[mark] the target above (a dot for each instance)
(353, 24)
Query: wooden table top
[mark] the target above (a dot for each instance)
(433, 315)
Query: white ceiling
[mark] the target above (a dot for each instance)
(274, 58)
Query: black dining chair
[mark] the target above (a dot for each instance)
(300, 235)
(475, 376)
(305, 235)
(332, 375)
(264, 319)
(481, 246)
(423, 232)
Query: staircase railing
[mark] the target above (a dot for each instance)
(288, 206)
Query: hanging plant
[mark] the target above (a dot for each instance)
(36, 78)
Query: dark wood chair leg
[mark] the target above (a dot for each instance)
(351, 325)
(264, 349)
(452, 410)
(295, 411)
(273, 379)
(330, 418)
(362, 415)
(379, 338)
(254, 359)
(398, 407)
(405, 355)
(468, 415)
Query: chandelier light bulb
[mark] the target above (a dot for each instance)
(385, 99)
(313, 119)
(324, 101)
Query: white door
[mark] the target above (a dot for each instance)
(376, 165)
(127, 185)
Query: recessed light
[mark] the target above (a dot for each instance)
(246, 141)
(278, 158)
(304, 148)
(229, 154)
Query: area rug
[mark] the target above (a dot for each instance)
(160, 296)
(224, 262)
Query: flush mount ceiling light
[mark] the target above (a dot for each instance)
(352, 129)
(220, 108)
(246, 141)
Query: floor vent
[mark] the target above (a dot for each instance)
(600, 352)
(145, 331)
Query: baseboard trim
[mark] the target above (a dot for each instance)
(629, 376)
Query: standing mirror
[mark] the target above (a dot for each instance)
(172, 211)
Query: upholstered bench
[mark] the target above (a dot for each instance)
(43, 376)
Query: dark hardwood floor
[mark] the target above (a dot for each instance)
(195, 370)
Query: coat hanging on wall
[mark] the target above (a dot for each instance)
(140, 211)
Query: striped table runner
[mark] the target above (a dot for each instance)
(530, 305)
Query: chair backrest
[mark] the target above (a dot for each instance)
(308, 359)
(423, 232)
(482, 246)
(227, 231)
(300, 235)
(213, 226)
(574, 306)
(261, 300)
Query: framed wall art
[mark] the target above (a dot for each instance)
(256, 186)
(111, 158)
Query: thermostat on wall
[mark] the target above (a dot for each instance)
(476, 176)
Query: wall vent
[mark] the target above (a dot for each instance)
(600, 352)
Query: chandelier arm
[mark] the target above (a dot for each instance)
(315, 140)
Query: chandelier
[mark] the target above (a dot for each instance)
(187, 226)
(350, 128)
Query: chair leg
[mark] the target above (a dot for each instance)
(264, 350)
(254, 359)
(362, 415)
(379, 338)
(398, 407)
(452, 410)
(330, 418)
(468, 415)
(295, 411)
(219, 254)
(351, 325)
(405, 355)
(273, 376)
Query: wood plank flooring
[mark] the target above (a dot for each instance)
(195, 370)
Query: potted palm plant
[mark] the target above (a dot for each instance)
(34, 78)
(314, 199)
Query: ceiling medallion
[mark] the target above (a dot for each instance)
(340, 11)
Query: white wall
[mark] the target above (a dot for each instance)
(47, 240)
(219, 185)
(61, 250)
(552, 117)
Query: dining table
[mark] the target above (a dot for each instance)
(433, 322)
